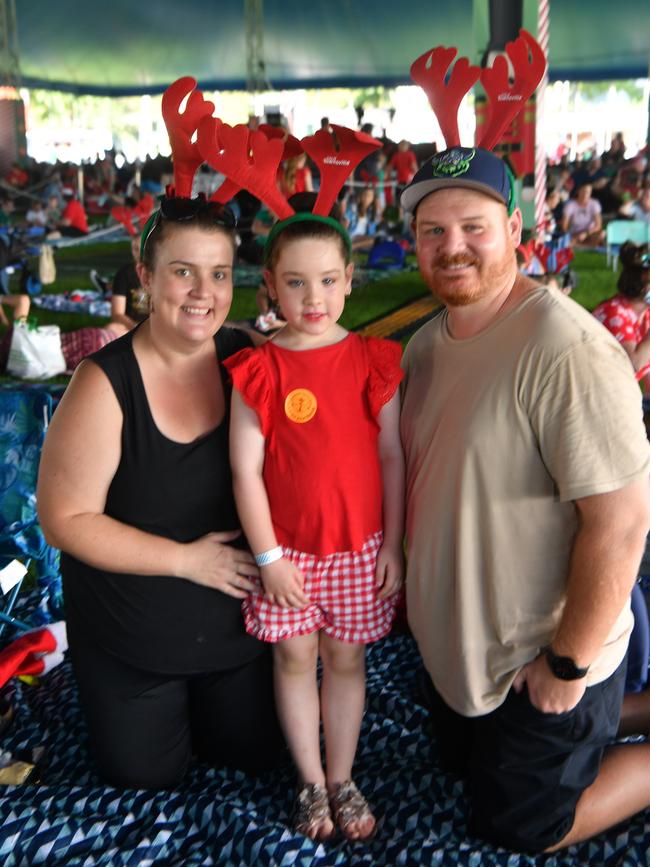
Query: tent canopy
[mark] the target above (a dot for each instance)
(125, 48)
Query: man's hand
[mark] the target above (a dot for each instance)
(546, 692)
(283, 583)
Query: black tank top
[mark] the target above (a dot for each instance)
(177, 490)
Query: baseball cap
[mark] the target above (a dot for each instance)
(474, 168)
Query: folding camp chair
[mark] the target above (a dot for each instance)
(620, 231)
(24, 416)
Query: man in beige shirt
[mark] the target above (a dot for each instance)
(527, 511)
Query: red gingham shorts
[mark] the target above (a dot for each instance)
(343, 596)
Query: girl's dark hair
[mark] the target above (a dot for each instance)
(634, 280)
(162, 230)
(312, 229)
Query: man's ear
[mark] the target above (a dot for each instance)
(515, 226)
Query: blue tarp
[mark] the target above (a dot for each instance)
(220, 817)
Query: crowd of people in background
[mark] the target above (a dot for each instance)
(46, 201)
(583, 195)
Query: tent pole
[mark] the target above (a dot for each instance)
(255, 65)
(9, 59)
(543, 10)
(12, 110)
(647, 138)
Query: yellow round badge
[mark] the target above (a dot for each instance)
(300, 405)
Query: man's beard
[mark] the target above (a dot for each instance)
(463, 292)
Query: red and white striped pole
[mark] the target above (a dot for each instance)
(543, 8)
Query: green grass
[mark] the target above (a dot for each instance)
(596, 281)
(369, 302)
(73, 266)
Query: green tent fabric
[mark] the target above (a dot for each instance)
(122, 48)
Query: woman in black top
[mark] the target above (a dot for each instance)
(135, 489)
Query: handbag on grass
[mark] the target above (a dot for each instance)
(46, 266)
(35, 351)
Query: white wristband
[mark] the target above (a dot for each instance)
(270, 556)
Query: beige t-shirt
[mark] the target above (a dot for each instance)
(501, 433)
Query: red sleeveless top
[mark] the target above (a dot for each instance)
(318, 411)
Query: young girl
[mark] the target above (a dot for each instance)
(318, 472)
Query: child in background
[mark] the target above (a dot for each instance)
(319, 483)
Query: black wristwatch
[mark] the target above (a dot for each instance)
(563, 667)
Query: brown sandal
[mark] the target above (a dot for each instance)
(350, 807)
(312, 809)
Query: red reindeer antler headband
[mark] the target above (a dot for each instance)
(505, 99)
(475, 168)
(250, 159)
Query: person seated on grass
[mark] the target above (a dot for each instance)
(129, 302)
(582, 219)
(251, 248)
(74, 221)
(630, 178)
(52, 213)
(7, 208)
(19, 304)
(36, 215)
(627, 314)
(75, 345)
(592, 173)
(270, 317)
(362, 218)
(561, 182)
(639, 208)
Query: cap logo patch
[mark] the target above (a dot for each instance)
(452, 163)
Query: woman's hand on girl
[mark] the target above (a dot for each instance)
(213, 563)
(389, 572)
(283, 583)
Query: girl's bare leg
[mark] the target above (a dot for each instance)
(343, 694)
(296, 695)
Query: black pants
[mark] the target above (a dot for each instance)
(144, 727)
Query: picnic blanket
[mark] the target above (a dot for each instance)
(223, 817)
(77, 301)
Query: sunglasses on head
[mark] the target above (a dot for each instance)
(178, 209)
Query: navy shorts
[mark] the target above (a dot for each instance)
(525, 769)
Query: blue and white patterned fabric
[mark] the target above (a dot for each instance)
(78, 301)
(24, 415)
(226, 818)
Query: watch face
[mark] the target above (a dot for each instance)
(563, 667)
